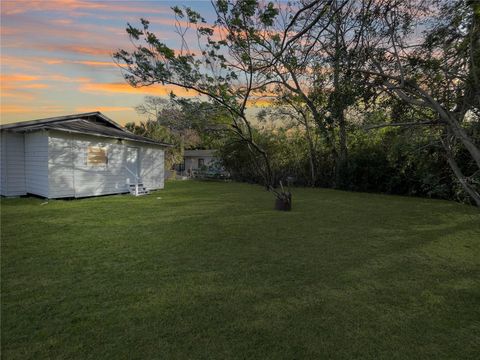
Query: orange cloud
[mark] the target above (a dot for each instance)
(63, 78)
(155, 90)
(14, 109)
(35, 86)
(17, 77)
(52, 61)
(30, 109)
(17, 95)
(80, 49)
(96, 63)
(12, 113)
(32, 64)
(105, 50)
(12, 83)
(103, 108)
(16, 63)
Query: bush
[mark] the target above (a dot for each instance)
(391, 160)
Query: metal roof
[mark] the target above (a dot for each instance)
(94, 123)
(209, 152)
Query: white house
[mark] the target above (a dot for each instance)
(76, 156)
(196, 159)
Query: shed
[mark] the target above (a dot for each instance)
(196, 159)
(77, 156)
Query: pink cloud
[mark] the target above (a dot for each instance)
(74, 7)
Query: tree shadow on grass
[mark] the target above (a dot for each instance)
(336, 278)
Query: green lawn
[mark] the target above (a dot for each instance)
(209, 271)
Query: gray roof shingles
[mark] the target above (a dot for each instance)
(95, 124)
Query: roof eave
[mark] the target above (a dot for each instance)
(146, 141)
(46, 121)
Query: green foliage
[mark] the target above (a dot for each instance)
(391, 160)
(328, 59)
(269, 14)
(184, 123)
(225, 70)
(154, 130)
(286, 149)
(397, 161)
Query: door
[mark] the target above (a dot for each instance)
(132, 165)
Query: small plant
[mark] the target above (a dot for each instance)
(283, 201)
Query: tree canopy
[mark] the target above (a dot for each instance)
(333, 65)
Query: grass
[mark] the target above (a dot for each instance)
(209, 271)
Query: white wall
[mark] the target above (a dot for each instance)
(191, 162)
(60, 166)
(71, 176)
(36, 163)
(152, 167)
(12, 168)
(3, 164)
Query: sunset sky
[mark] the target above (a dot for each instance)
(56, 56)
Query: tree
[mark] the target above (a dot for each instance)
(184, 123)
(207, 121)
(151, 107)
(153, 130)
(323, 58)
(225, 72)
(291, 112)
(310, 53)
(437, 75)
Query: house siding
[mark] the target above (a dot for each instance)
(60, 167)
(152, 167)
(36, 163)
(191, 162)
(12, 176)
(71, 176)
(3, 164)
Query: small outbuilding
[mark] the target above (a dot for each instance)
(197, 159)
(77, 156)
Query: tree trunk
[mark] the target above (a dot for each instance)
(462, 179)
(342, 153)
(312, 157)
(470, 190)
(454, 125)
(462, 135)
(338, 110)
(474, 34)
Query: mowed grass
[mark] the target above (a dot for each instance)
(210, 271)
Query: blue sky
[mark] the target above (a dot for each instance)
(56, 55)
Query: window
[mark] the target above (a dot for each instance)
(97, 156)
(201, 162)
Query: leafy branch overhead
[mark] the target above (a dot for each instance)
(321, 61)
(223, 69)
